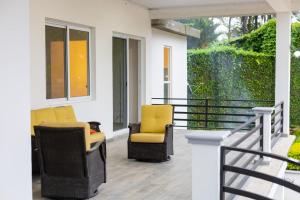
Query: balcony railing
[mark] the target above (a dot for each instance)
(233, 157)
(212, 113)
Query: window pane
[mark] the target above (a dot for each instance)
(79, 63)
(166, 63)
(55, 62)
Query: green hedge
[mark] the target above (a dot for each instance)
(244, 68)
(228, 73)
(263, 40)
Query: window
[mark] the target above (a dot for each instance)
(167, 74)
(67, 62)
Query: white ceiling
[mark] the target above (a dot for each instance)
(157, 4)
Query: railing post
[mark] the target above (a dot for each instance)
(266, 112)
(206, 112)
(206, 159)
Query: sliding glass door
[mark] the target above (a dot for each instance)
(119, 83)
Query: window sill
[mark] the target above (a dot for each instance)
(64, 101)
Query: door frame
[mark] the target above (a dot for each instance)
(141, 74)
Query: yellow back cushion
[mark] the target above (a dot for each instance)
(65, 114)
(155, 118)
(41, 116)
(84, 125)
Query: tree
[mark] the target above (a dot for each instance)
(208, 34)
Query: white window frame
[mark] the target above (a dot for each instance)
(70, 99)
(169, 81)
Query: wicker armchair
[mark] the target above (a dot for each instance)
(152, 139)
(70, 168)
(62, 114)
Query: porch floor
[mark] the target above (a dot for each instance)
(132, 180)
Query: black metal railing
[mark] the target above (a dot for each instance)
(212, 113)
(252, 139)
(277, 122)
(227, 188)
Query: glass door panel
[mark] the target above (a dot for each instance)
(119, 83)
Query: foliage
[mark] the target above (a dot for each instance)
(264, 39)
(295, 91)
(208, 34)
(235, 69)
(261, 40)
(294, 152)
(228, 73)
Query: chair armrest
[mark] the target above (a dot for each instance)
(168, 131)
(134, 128)
(95, 147)
(95, 126)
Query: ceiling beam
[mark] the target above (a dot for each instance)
(239, 9)
(280, 5)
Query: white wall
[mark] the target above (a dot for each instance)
(178, 45)
(15, 167)
(106, 16)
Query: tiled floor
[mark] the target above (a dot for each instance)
(132, 180)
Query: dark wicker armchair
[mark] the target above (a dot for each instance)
(152, 139)
(69, 168)
(62, 114)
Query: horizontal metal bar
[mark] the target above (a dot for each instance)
(270, 155)
(252, 120)
(245, 178)
(208, 106)
(210, 99)
(275, 123)
(235, 176)
(262, 176)
(242, 139)
(218, 114)
(234, 161)
(276, 113)
(277, 130)
(244, 193)
(203, 127)
(203, 120)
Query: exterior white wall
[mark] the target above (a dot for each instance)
(178, 45)
(15, 167)
(106, 16)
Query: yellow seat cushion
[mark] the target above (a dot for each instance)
(155, 118)
(97, 137)
(148, 137)
(65, 114)
(39, 116)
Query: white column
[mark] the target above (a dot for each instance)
(15, 167)
(267, 128)
(206, 155)
(283, 43)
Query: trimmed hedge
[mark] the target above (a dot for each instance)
(228, 73)
(244, 68)
(263, 39)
